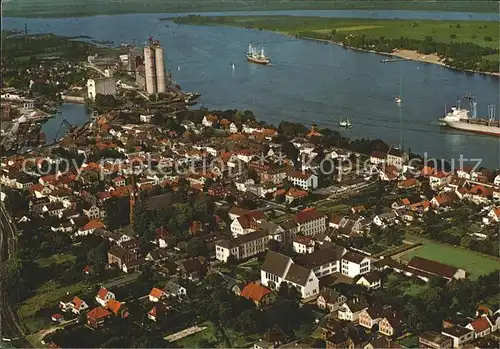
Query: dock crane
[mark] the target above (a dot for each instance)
(64, 122)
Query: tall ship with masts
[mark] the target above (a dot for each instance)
(460, 119)
(257, 56)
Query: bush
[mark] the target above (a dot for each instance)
(488, 38)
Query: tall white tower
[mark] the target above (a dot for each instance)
(160, 70)
(150, 69)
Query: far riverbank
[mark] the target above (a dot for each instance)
(405, 54)
(462, 45)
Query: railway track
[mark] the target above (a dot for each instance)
(10, 328)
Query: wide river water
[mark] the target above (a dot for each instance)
(308, 81)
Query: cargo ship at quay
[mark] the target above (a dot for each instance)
(466, 120)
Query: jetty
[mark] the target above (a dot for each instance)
(391, 60)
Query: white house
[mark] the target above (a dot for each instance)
(146, 118)
(354, 264)
(174, 289)
(465, 172)
(78, 305)
(496, 181)
(243, 225)
(233, 128)
(370, 280)
(303, 179)
(330, 299)
(209, 120)
(91, 211)
(103, 296)
(481, 327)
(439, 180)
(378, 157)
(351, 310)
(278, 268)
(460, 335)
(494, 214)
(496, 196)
(242, 186)
(156, 294)
(303, 244)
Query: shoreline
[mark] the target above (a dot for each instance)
(410, 55)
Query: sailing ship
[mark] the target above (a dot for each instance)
(255, 56)
(345, 123)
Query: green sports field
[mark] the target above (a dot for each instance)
(473, 263)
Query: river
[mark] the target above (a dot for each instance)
(308, 81)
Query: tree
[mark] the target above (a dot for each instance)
(252, 174)
(105, 102)
(247, 321)
(290, 151)
(376, 233)
(196, 247)
(117, 212)
(394, 236)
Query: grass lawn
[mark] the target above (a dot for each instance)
(472, 262)
(237, 339)
(59, 258)
(406, 285)
(410, 342)
(441, 31)
(192, 341)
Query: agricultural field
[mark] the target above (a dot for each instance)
(483, 33)
(472, 262)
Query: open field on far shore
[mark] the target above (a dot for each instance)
(478, 32)
(56, 8)
(472, 262)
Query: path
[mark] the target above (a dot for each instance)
(184, 333)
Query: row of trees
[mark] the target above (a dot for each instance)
(461, 55)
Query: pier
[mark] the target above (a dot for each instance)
(392, 60)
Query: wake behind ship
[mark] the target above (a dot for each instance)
(255, 56)
(459, 119)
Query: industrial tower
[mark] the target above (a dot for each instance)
(154, 65)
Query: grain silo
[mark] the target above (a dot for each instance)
(160, 70)
(150, 70)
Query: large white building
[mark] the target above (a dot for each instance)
(278, 268)
(244, 246)
(311, 222)
(304, 179)
(307, 269)
(103, 86)
(354, 264)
